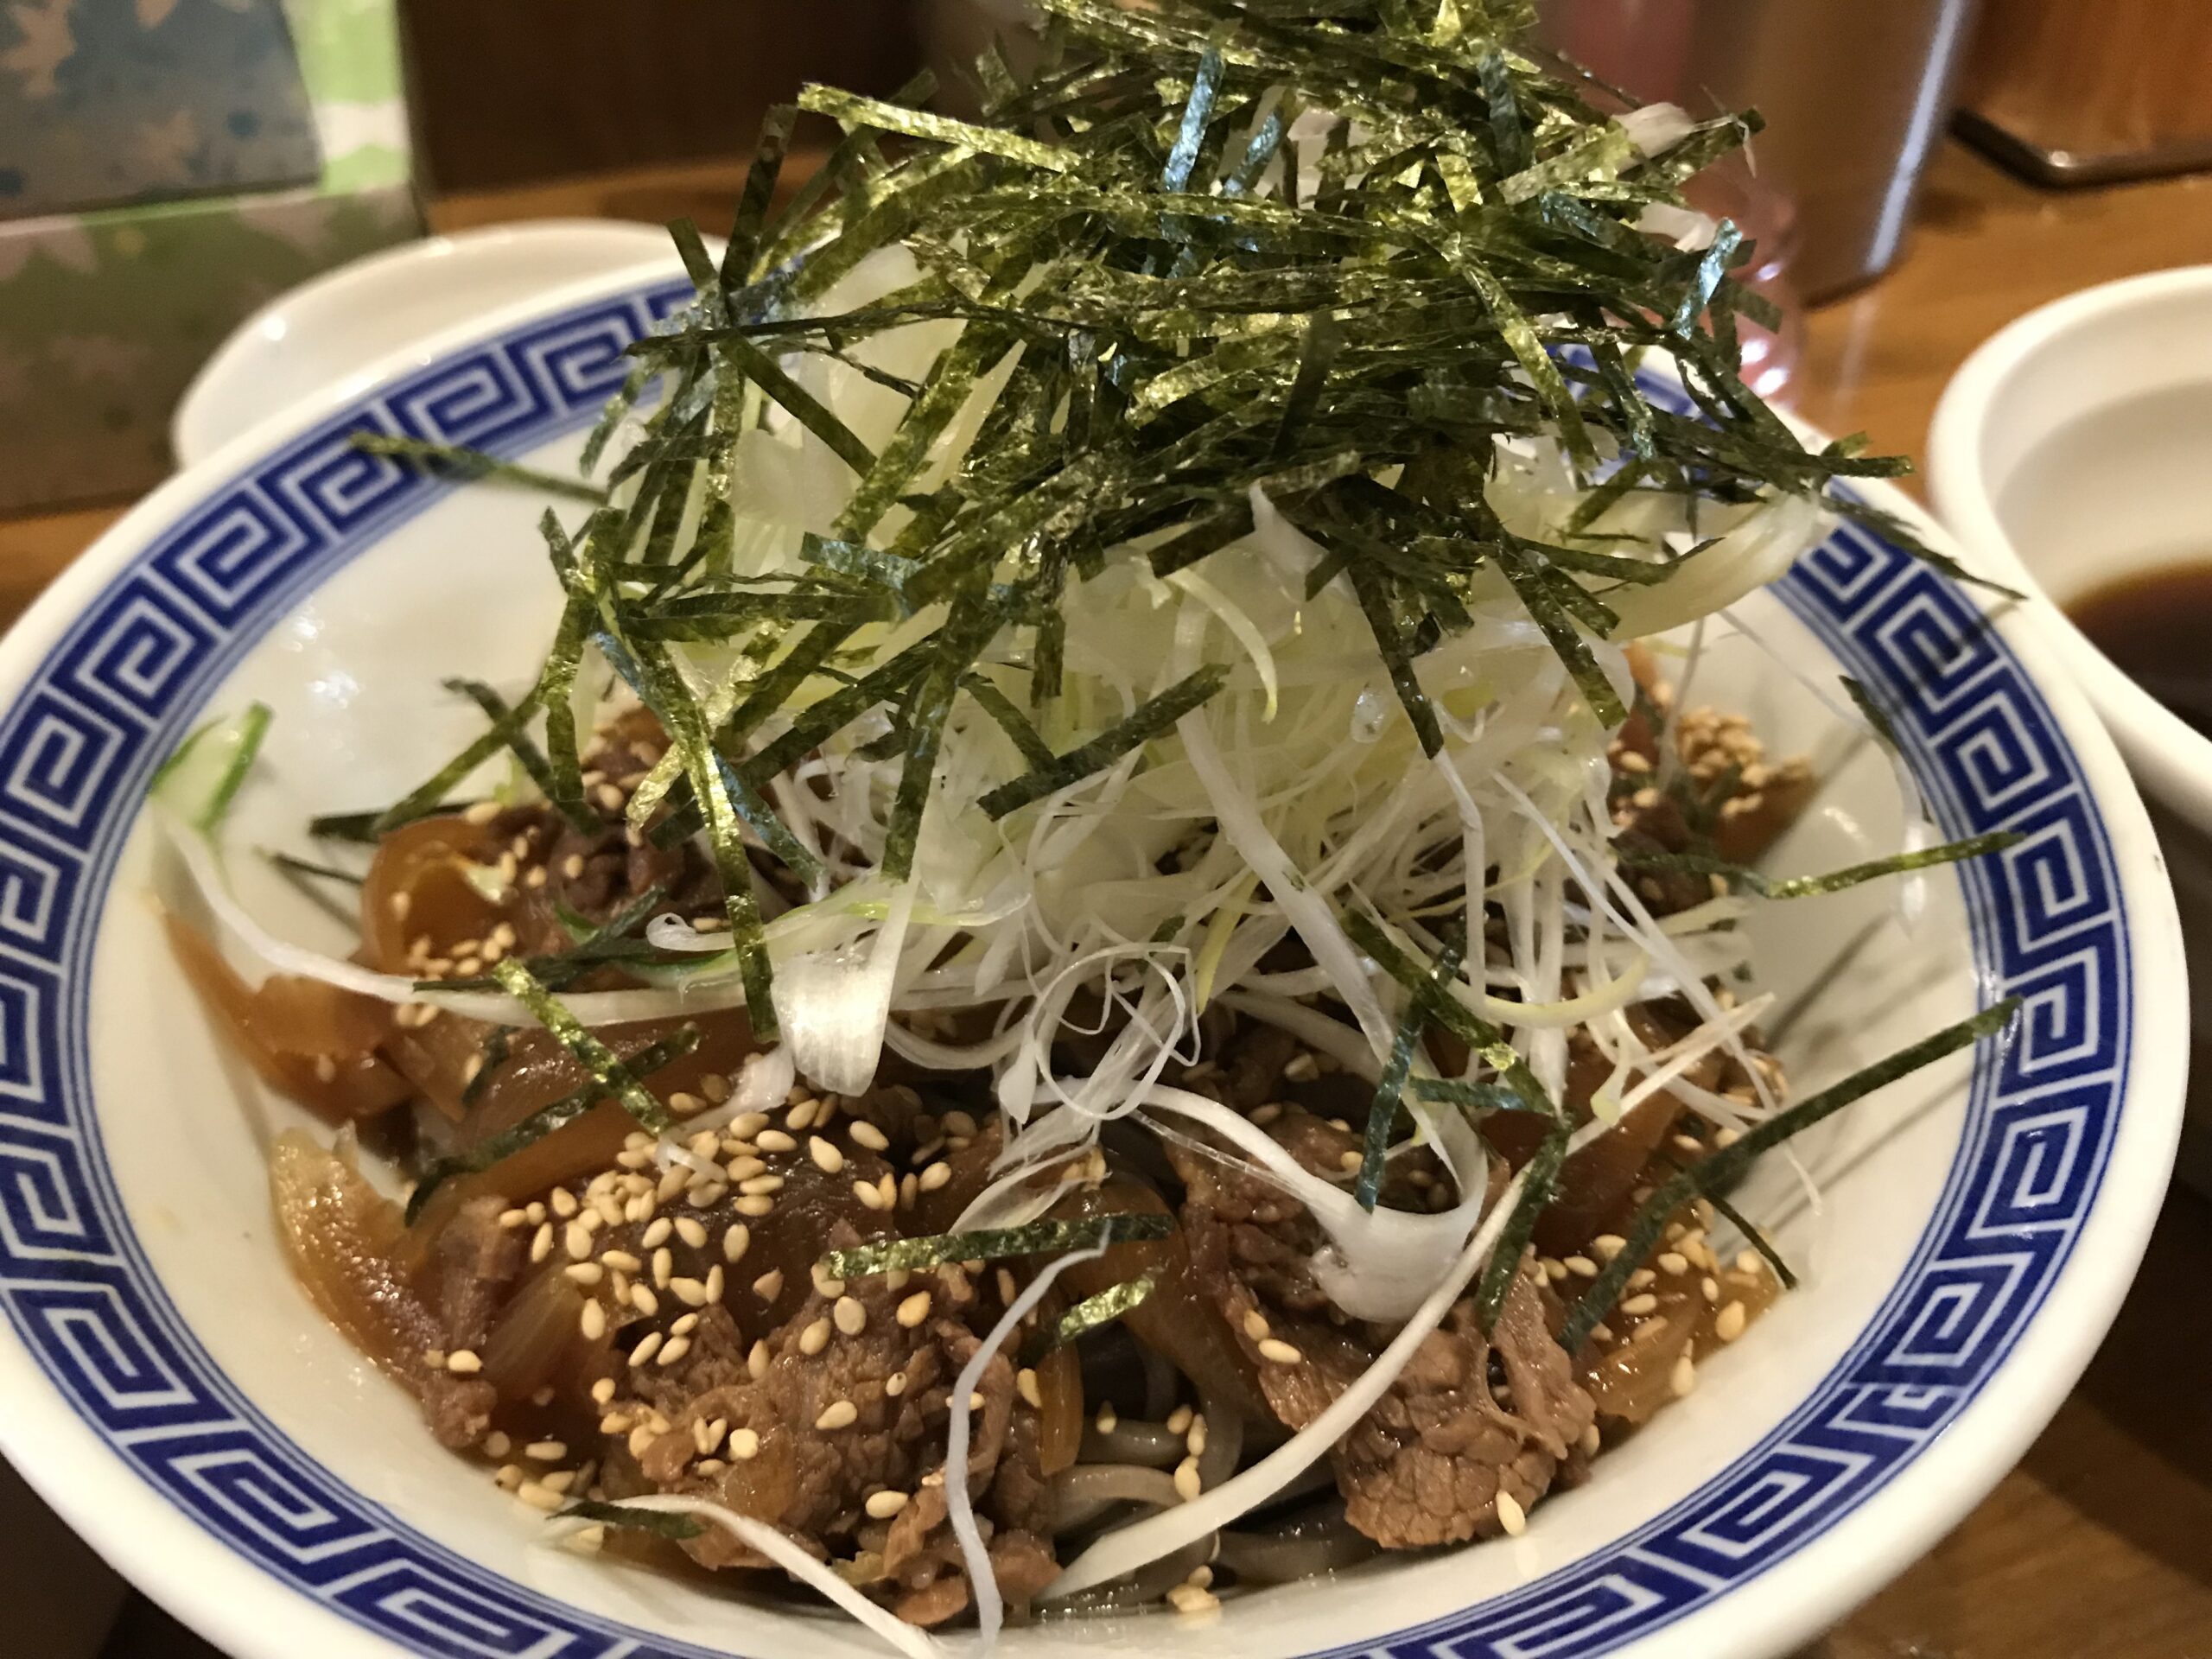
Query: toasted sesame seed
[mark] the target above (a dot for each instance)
(1195, 1441)
(745, 1167)
(509, 1478)
(735, 1242)
(575, 1238)
(641, 1440)
(1607, 1246)
(1511, 1515)
(850, 1315)
(584, 1273)
(866, 1192)
(1710, 1287)
(841, 1414)
(1581, 1266)
(1008, 1289)
(1635, 1307)
(909, 1188)
(1179, 1420)
(775, 1140)
(657, 1234)
(684, 1327)
(1684, 1377)
(611, 797)
(867, 1134)
(480, 812)
(1350, 1161)
(753, 1205)
(801, 1115)
(622, 1261)
(1748, 1261)
(814, 1339)
(540, 1496)
(1729, 1323)
(545, 1451)
(514, 1220)
(881, 1506)
(464, 1362)
(1192, 1599)
(1026, 1385)
(496, 1445)
(591, 1320)
(769, 1285)
(914, 1310)
(757, 1361)
(1301, 1068)
(1591, 1440)
(1554, 1269)
(825, 1284)
(664, 1267)
(1187, 1484)
(1108, 1420)
(1255, 1325)
(692, 1232)
(642, 1299)
(1276, 1351)
(1641, 1278)
(677, 1348)
(692, 1292)
(743, 1445)
(936, 1176)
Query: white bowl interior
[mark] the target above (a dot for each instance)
(351, 675)
(2091, 446)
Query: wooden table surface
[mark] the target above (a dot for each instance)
(2099, 1544)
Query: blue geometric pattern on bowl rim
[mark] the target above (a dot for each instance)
(78, 746)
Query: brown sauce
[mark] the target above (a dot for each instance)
(2158, 628)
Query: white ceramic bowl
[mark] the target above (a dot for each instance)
(316, 336)
(168, 1388)
(2069, 451)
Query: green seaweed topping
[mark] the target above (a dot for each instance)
(547, 1118)
(1091, 1313)
(614, 1077)
(1537, 1192)
(994, 1244)
(466, 464)
(661, 1523)
(1382, 1112)
(1803, 886)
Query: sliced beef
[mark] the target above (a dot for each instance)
(473, 1270)
(813, 1472)
(1425, 1465)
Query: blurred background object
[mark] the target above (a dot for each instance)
(167, 168)
(1855, 93)
(2082, 92)
(511, 91)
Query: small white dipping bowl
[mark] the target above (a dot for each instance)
(2073, 450)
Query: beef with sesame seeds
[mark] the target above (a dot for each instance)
(1425, 1465)
(848, 1400)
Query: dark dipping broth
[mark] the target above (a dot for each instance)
(2158, 628)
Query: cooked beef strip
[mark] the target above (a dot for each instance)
(814, 1482)
(473, 1270)
(1425, 1465)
